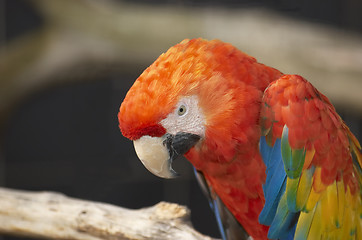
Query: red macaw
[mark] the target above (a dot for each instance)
(268, 146)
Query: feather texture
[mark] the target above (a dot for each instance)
(274, 185)
(275, 153)
(322, 196)
(230, 228)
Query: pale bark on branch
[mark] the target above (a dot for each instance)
(56, 216)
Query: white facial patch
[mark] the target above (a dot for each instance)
(187, 117)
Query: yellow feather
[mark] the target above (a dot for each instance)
(329, 208)
(304, 221)
(318, 185)
(308, 158)
(358, 217)
(315, 231)
(316, 190)
(335, 234)
(333, 204)
(358, 223)
(304, 188)
(341, 202)
(349, 224)
(312, 200)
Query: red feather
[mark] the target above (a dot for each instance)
(230, 87)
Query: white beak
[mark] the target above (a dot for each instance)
(155, 156)
(157, 153)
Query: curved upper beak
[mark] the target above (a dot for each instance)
(157, 153)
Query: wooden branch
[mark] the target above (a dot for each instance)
(55, 216)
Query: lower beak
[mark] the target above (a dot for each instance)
(157, 153)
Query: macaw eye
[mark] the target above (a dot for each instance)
(181, 110)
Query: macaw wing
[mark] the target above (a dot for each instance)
(229, 227)
(313, 184)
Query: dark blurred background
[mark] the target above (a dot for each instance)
(65, 67)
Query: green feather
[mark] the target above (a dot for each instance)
(293, 159)
(291, 191)
(298, 189)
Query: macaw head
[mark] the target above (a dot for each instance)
(192, 100)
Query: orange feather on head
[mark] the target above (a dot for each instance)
(215, 71)
(229, 85)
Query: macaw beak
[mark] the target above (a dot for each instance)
(158, 153)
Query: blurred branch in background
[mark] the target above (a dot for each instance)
(55, 216)
(84, 38)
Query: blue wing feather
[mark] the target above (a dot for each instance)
(284, 222)
(274, 186)
(276, 213)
